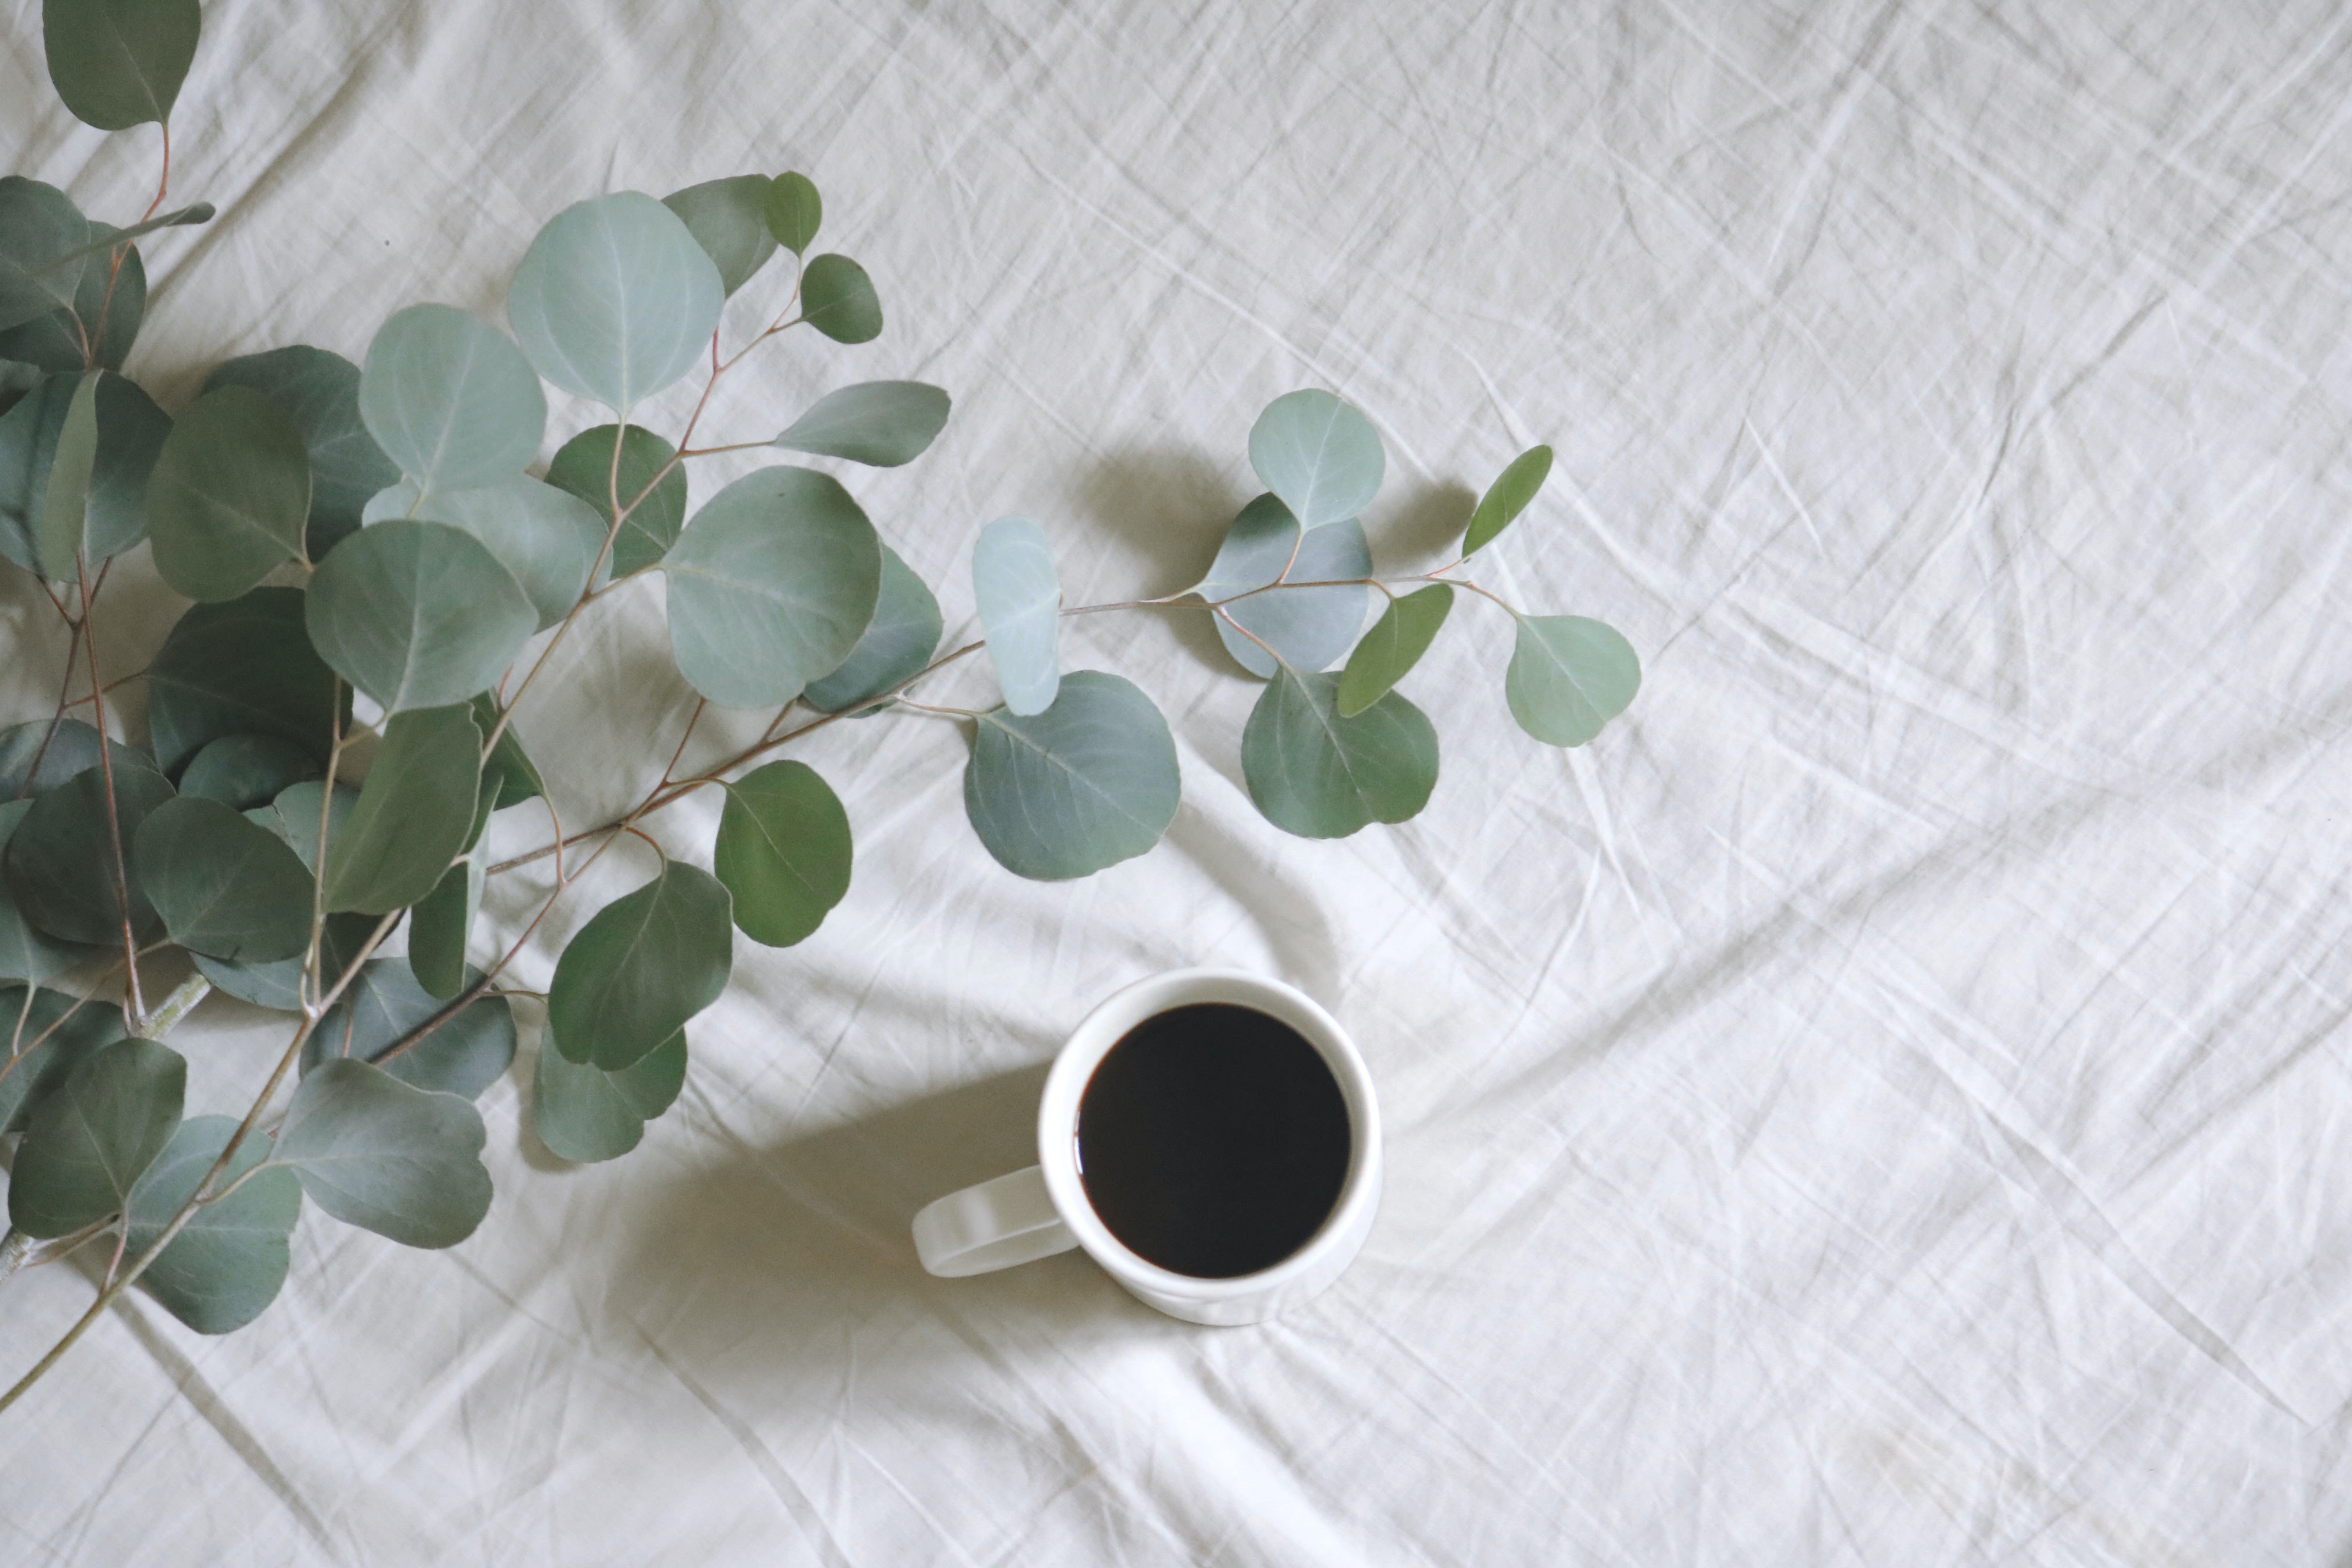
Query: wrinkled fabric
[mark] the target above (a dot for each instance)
(1879, 1103)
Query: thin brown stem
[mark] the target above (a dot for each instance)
(134, 1006)
(310, 982)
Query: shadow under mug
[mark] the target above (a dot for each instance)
(1043, 1210)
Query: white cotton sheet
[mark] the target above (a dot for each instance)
(1882, 1102)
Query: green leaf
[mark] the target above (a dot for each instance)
(87, 1144)
(897, 644)
(507, 768)
(223, 885)
(40, 230)
(1318, 775)
(65, 502)
(418, 615)
(130, 433)
(108, 305)
(321, 393)
(1392, 646)
(244, 667)
(104, 238)
(243, 771)
(1088, 783)
(1019, 600)
(61, 866)
(451, 402)
(783, 852)
(641, 967)
(587, 1114)
(376, 1152)
(728, 219)
(585, 467)
(614, 299)
(770, 587)
(230, 494)
(26, 952)
(1309, 628)
(439, 926)
(228, 1262)
(67, 1029)
(837, 299)
(794, 211)
(120, 63)
(464, 1049)
(879, 423)
(1319, 455)
(294, 817)
(1506, 498)
(414, 813)
(278, 986)
(39, 756)
(547, 538)
(1568, 677)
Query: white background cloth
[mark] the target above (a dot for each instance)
(1885, 1102)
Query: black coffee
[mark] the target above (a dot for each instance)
(1213, 1140)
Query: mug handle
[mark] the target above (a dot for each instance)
(992, 1225)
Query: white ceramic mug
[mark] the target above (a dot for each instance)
(1043, 1210)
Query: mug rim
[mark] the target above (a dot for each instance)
(1105, 1025)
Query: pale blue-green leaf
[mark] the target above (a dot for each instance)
(294, 817)
(418, 615)
(1308, 628)
(451, 402)
(243, 771)
(46, 1034)
(119, 63)
(59, 866)
(1392, 646)
(586, 468)
(897, 644)
(548, 539)
(1318, 775)
(223, 885)
(837, 299)
(1088, 783)
(228, 1262)
(642, 966)
(373, 1152)
(230, 494)
(277, 985)
(770, 587)
(439, 924)
(1020, 598)
(1319, 455)
(614, 299)
(87, 1144)
(587, 1114)
(387, 1019)
(1568, 677)
(728, 219)
(321, 393)
(244, 667)
(783, 851)
(414, 813)
(879, 423)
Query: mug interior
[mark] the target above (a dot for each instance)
(1065, 1083)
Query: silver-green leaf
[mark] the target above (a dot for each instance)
(241, 771)
(418, 615)
(52, 1033)
(228, 1262)
(795, 212)
(59, 864)
(244, 667)
(587, 1114)
(26, 952)
(450, 401)
(547, 538)
(728, 219)
(376, 1152)
(882, 424)
(86, 1146)
(896, 645)
(321, 393)
(1020, 599)
(230, 494)
(412, 816)
(1306, 627)
(1088, 783)
(586, 468)
(40, 230)
(223, 887)
(65, 502)
(642, 966)
(614, 299)
(120, 63)
(1318, 775)
(385, 1018)
(1568, 677)
(837, 299)
(1319, 455)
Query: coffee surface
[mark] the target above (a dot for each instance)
(1213, 1140)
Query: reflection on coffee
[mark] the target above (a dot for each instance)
(1213, 1141)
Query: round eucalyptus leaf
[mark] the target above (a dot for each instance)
(109, 303)
(614, 299)
(223, 885)
(120, 63)
(26, 952)
(242, 668)
(130, 432)
(59, 866)
(58, 536)
(450, 401)
(321, 393)
(728, 219)
(241, 771)
(587, 1114)
(1309, 628)
(1392, 646)
(412, 816)
(402, 1162)
(40, 229)
(461, 1049)
(51, 1034)
(837, 299)
(770, 587)
(439, 924)
(794, 211)
(228, 1262)
(783, 852)
(1318, 775)
(1319, 455)
(547, 538)
(585, 467)
(897, 644)
(294, 817)
(418, 615)
(278, 986)
(230, 494)
(87, 1144)
(1020, 598)
(1568, 677)
(882, 424)
(1508, 497)
(1088, 783)
(642, 966)
(37, 756)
